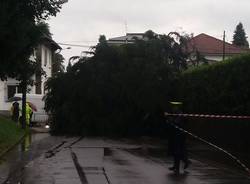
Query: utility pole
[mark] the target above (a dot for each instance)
(224, 44)
(126, 31)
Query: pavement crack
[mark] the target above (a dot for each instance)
(106, 176)
(79, 168)
(76, 141)
(52, 152)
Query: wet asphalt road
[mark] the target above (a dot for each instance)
(61, 160)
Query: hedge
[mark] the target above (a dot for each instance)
(222, 88)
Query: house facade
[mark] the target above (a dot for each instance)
(128, 38)
(211, 48)
(208, 47)
(42, 54)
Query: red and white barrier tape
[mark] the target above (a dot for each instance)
(208, 116)
(213, 145)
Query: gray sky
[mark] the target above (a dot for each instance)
(82, 21)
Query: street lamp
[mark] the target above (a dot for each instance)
(67, 48)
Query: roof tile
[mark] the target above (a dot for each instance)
(209, 45)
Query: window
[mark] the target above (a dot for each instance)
(19, 89)
(34, 54)
(45, 56)
(49, 57)
(38, 83)
(12, 90)
(44, 90)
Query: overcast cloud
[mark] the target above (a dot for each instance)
(82, 21)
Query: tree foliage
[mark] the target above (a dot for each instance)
(44, 29)
(239, 37)
(57, 63)
(119, 90)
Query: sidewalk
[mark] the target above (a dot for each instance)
(102, 161)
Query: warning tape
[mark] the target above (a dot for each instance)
(213, 145)
(208, 116)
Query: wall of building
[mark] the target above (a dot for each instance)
(216, 58)
(2, 96)
(46, 63)
(4, 105)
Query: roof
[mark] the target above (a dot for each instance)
(208, 45)
(129, 37)
(52, 43)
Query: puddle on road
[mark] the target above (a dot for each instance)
(24, 146)
(19, 155)
(149, 152)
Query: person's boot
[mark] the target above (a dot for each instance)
(177, 171)
(176, 167)
(186, 164)
(171, 168)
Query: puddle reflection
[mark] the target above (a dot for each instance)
(25, 144)
(19, 155)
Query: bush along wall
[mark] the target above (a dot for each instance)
(222, 88)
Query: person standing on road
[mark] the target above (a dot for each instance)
(177, 139)
(28, 114)
(15, 112)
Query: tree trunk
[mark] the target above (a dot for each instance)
(24, 92)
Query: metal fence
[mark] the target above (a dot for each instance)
(40, 117)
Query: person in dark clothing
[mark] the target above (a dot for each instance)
(15, 111)
(170, 136)
(177, 139)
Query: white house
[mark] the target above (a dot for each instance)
(42, 54)
(128, 38)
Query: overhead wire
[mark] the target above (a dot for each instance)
(75, 45)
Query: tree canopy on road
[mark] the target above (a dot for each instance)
(119, 88)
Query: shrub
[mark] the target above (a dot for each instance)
(222, 88)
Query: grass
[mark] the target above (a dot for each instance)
(10, 134)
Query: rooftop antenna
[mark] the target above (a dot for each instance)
(126, 27)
